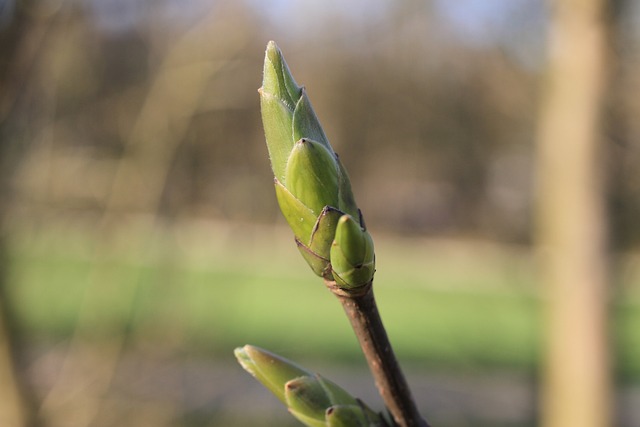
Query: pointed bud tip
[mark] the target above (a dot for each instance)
(243, 349)
(250, 352)
(244, 359)
(273, 52)
(239, 352)
(277, 78)
(343, 219)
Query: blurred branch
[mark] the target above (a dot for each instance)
(21, 46)
(138, 184)
(21, 49)
(13, 407)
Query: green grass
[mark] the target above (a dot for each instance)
(444, 306)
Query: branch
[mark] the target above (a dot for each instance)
(360, 306)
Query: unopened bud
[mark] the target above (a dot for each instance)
(312, 185)
(352, 256)
(311, 398)
(311, 175)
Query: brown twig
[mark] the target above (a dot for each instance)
(360, 306)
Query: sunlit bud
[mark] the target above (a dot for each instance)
(318, 248)
(349, 416)
(307, 400)
(287, 114)
(347, 203)
(352, 257)
(306, 123)
(312, 185)
(311, 175)
(270, 369)
(278, 97)
(300, 218)
(313, 400)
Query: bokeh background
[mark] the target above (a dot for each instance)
(141, 241)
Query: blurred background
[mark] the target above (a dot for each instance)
(141, 240)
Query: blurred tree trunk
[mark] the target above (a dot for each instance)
(572, 230)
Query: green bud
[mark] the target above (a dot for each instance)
(270, 369)
(317, 250)
(311, 398)
(311, 175)
(336, 394)
(347, 203)
(287, 114)
(277, 80)
(352, 257)
(306, 124)
(306, 396)
(299, 217)
(277, 127)
(279, 95)
(314, 235)
(312, 185)
(347, 416)
(306, 420)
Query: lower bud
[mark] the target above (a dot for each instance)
(348, 416)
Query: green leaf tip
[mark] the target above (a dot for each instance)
(312, 185)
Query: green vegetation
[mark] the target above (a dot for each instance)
(463, 306)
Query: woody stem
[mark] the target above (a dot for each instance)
(360, 306)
